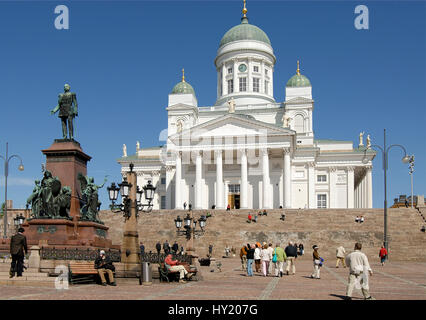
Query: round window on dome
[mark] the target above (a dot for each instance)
(242, 67)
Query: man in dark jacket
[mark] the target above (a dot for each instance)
(18, 244)
(104, 265)
(291, 253)
(158, 247)
(166, 247)
(175, 247)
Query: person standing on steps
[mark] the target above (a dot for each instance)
(158, 247)
(18, 244)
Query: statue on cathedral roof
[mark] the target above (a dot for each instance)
(231, 104)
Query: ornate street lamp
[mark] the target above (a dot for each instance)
(411, 171)
(385, 151)
(18, 221)
(124, 188)
(6, 160)
(190, 226)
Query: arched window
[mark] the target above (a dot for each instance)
(299, 123)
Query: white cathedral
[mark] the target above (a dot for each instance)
(247, 150)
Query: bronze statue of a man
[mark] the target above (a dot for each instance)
(67, 106)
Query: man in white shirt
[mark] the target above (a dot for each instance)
(340, 255)
(358, 272)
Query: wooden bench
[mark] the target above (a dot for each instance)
(82, 271)
(168, 275)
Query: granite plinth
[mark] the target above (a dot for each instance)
(65, 159)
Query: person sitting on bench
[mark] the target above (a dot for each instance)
(176, 266)
(104, 265)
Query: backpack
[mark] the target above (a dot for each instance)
(275, 258)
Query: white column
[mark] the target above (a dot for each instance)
(369, 188)
(219, 179)
(262, 77)
(311, 186)
(224, 82)
(287, 178)
(266, 182)
(363, 193)
(249, 82)
(333, 191)
(235, 77)
(244, 180)
(350, 189)
(198, 181)
(178, 178)
(225, 192)
(169, 177)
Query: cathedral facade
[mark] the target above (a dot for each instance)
(248, 150)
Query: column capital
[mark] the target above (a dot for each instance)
(139, 174)
(170, 168)
(350, 168)
(155, 173)
(242, 151)
(286, 150)
(368, 167)
(264, 151)
(218, 153)
(332, 169)
(310, 164)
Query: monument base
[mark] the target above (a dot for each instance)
(66, 233)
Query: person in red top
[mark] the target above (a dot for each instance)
(249, 218)
(174, 265)
(383, 255)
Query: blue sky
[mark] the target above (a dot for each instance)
(123, 58)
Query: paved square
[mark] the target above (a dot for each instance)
(394, 281)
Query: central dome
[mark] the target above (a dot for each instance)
(245, 31)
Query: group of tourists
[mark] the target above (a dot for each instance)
(269, 260)
(252, 217)
(167, 249)
(359, 219)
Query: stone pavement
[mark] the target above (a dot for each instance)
(394, 281)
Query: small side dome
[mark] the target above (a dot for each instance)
(183, 86)
(298, 80)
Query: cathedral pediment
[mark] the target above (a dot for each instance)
(233, 125)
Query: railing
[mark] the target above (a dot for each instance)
(77, 254)
(153, 257)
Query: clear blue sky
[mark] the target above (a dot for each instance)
(123, 58)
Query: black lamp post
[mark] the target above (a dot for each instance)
(18, 221)
(124, 188)
(6, 160)
(190, 226)
(385, 151)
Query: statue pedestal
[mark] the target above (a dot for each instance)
(66, 233)
(65, 159)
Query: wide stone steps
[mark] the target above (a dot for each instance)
(327, 228)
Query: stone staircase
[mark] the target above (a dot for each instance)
(31, 277)
(327, 228)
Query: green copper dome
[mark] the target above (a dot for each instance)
(183, 87)
(298, 80)
(244, 31)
